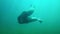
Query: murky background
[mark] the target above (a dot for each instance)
(47, 10)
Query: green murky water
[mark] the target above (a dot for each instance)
(47, 10)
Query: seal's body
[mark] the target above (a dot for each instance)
(24, 17)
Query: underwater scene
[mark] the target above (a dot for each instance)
(29, 16)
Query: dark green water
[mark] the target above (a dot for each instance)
(47, 10)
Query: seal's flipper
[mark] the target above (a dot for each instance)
(40, 20)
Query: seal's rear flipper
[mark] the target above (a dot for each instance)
(40, 20)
